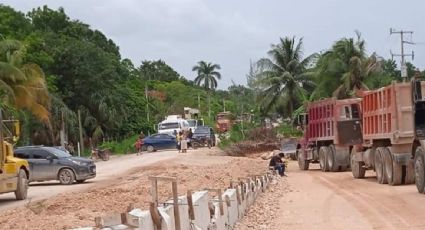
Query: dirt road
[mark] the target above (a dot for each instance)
(106, 170)
(316, 200)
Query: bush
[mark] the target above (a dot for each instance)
(121, 147)
(287, 130)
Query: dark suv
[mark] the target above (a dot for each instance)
(203, 135)
(49, 163)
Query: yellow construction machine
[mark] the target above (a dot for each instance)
(14, 172)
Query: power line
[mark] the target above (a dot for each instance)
(402, 54)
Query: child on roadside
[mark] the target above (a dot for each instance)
(138, 146)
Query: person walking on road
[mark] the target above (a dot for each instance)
(189, 138)
(138, 146)
(179, 139)
(277, 163)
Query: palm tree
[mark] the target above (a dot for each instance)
(344, 69)
(283, 79)
(207, 76)
(22, 85)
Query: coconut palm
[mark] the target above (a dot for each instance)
(283, 79)
(207, 76)
(22, 85)
(344, 69)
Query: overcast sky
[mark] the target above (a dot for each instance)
(233, 32)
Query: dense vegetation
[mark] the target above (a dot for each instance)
(51, 67)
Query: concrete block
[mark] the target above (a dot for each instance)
(144, 218)
(201, 209)
(218, 221)
(243, 205)
(183, 211)
(232, 210)
(167, 214)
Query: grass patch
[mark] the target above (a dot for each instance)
(125, 146)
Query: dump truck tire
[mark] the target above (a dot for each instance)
(323, 159)
(302, 164)
(389, 167)
(357, 168)
(420, 169)
(330, 155)
(410, 174)
(379, 166)
(22, 186)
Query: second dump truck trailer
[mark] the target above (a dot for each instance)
(392, 126)
(333, 128)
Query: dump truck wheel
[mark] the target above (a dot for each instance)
(323, 159)
(397, 173)
(303, 164)
(388, 166)
(22, 186)
(357, 168)
(330, 156)
(420, 169)
(410, 174)
(379, 167)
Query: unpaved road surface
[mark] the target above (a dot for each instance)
(317, 200)
(106, 170)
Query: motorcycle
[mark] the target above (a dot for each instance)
(100, 154)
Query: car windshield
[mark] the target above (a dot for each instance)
(173, 125)
(202, 130)
(192, 123)
(59, 153)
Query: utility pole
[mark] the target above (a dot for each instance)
(147, 102)
(402, 55)
(62, 131)
(199, 103)
(224, 106)
(81, 132)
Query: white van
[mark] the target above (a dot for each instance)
(169, 125)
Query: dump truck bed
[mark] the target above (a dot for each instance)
(323, 117)
(388, 113)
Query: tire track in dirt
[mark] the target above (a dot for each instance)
(378, 218)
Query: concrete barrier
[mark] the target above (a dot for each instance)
(232, 209)
(206, 210)
(201, 209)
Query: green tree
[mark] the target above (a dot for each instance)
(207, 76)
(284, 77)
(345, 67)
(13, 24)
(157, 70)
(22, 85)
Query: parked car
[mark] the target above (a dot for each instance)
(203, 135)
(50, 163)
(159, 141)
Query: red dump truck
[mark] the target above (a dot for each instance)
(392, 126)
(333, 128)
